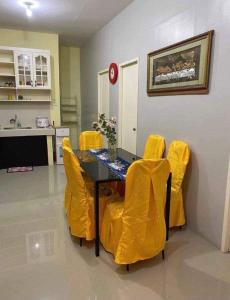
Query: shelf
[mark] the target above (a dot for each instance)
(8, 100)
(68, 104)
(24, 101)
(7, 75)
(70, 122)
(34, 88)
(16, 88)
(68, 111)
(2, 62)
(7, 88)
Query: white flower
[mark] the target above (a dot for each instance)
(114, 120)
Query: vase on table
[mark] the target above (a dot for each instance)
(107, 127)
(112, 151)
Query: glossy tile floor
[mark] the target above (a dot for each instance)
(40, 261)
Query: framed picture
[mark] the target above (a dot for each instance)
(182, 68)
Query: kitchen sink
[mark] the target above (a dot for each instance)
(17, 128)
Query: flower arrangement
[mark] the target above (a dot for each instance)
(107, 128)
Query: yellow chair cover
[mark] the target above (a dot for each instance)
(178, 157)
(81, 207)
(154, 147)
(134, 229)
(91, 140)
(66, 143)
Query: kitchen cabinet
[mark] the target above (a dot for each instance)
(32, 69)
(25, 75)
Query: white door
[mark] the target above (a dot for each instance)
(128, 98)
(103, 93)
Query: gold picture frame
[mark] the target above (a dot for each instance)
(182, 68)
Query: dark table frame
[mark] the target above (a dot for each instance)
(97, 206)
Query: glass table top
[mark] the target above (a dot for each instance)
(97, 170)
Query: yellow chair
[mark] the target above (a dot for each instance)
(81, 208)
(134, 229)
(154, 147)
(91, 140)
(66, 143)
(178, 157)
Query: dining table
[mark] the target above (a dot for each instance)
(102, 170)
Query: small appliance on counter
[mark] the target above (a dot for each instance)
(61, 132)
(42, 122)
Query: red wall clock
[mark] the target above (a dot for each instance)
(113, 73)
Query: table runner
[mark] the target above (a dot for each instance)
(118, 167)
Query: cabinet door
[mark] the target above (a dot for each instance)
(41, 64)
(23, 69)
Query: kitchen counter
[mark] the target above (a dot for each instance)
(31, 134)
(27, 132)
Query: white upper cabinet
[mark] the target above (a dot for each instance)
(32, 69)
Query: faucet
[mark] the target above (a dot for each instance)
(14, 121)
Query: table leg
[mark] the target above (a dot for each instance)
(167, 207)
(97, 234)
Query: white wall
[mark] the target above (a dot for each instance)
(201, 120)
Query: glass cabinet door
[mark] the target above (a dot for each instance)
(24, 71)
(41, 70)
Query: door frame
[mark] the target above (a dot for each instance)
(121, 66)
(102, 72)
(225, 244)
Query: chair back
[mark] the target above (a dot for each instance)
(143, 223)
(178, 157)
(66, 143)
(73, 171)
(154, 147)
(91, 140)
(79, 221)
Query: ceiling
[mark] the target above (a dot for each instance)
(74, 20)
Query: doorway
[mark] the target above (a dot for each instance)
(128, 100)
(103, 92)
